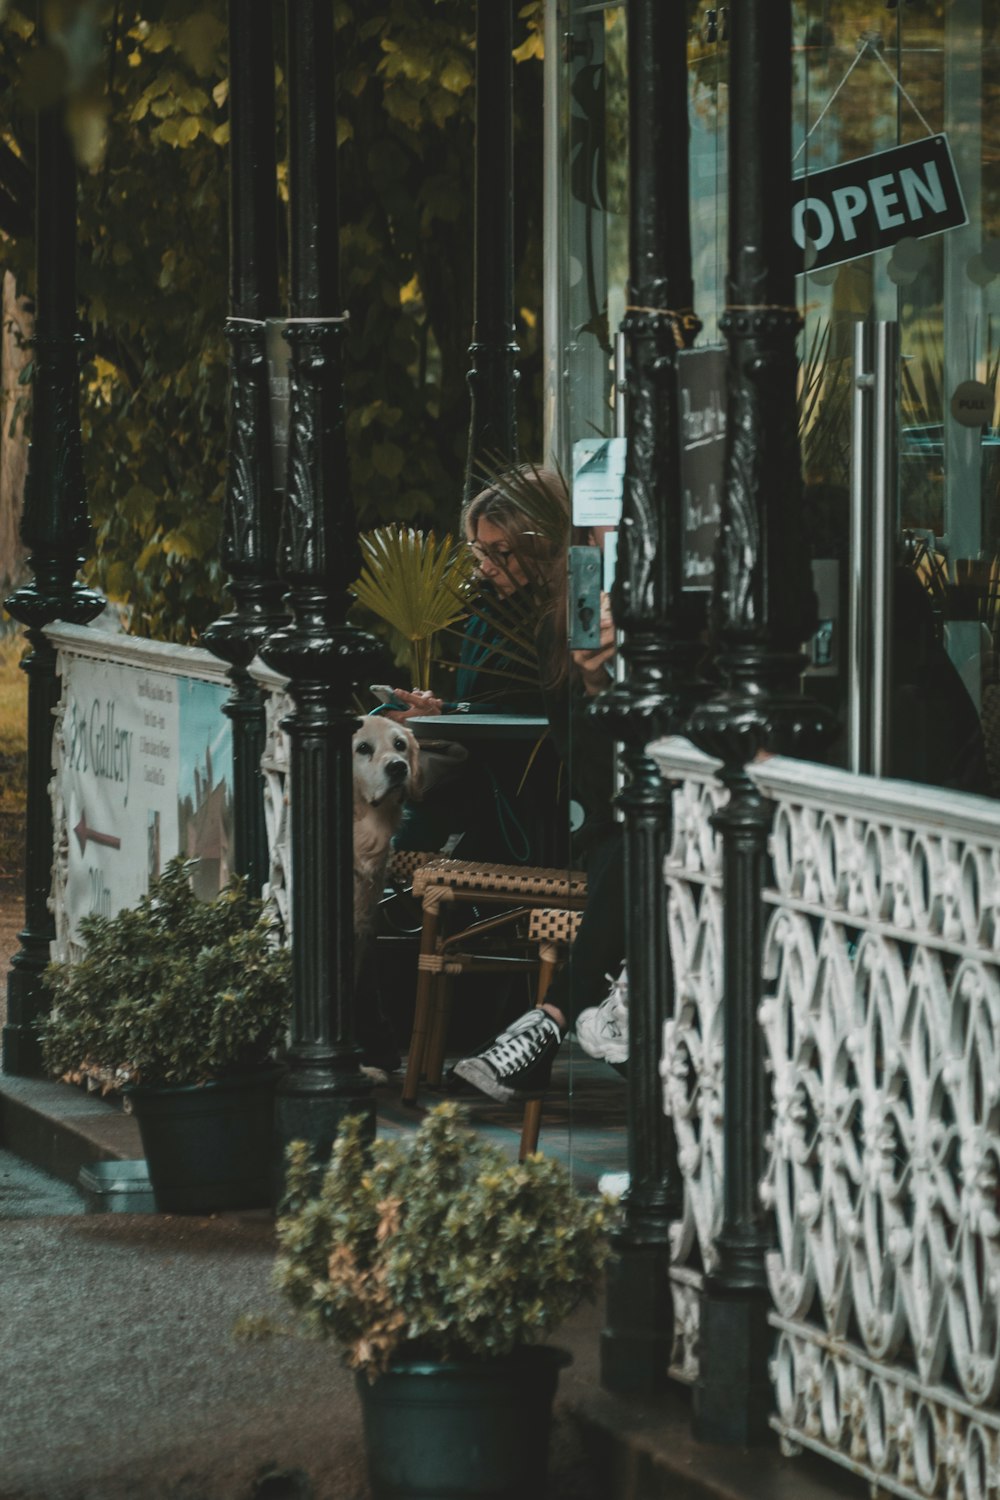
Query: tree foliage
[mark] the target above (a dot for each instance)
(146, 91)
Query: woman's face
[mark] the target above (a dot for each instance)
(498, 563)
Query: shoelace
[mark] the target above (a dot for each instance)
(619, 987)
(611, 1025)
(510, 1054)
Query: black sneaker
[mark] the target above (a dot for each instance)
(518, 1064)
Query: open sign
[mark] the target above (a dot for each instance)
(909, 192)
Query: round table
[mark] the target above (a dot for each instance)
(468, 727)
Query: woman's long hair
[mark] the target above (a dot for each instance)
(529, 506)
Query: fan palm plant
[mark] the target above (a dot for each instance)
(418, 585)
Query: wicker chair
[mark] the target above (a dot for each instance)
(442, 885)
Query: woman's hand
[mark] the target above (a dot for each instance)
(593, 666)
(418, 702)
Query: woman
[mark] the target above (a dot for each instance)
(517, 1064)
(500, 808)
(521, 530)
(517, 532)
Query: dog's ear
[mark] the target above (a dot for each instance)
(416, 769)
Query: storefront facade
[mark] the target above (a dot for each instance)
(869, 1059)
(897, 424)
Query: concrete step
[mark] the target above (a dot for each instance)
(60, 1129)
(26, 1192)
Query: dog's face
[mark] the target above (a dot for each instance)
(386, 763)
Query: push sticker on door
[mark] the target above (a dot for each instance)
(908, 192)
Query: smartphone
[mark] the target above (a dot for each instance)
(386, 696)
(585, 568)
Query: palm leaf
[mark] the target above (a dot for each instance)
(416, 584)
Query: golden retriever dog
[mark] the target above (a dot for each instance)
(386, 773)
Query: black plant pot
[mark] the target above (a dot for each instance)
(462, 1429)
(209, 1147)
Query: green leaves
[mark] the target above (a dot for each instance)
(417, 585)
(175, 990)
(439, 1246)
(152, 268)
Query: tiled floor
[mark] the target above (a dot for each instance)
(583, 1118)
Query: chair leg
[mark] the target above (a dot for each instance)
(438, 1036)
(422, 1008)
(531, 1121)
(531, 1124)
(547, 960)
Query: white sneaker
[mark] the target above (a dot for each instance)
(614, 1184)
(602, 1030)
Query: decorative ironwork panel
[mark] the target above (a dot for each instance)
(275, 766)
(63, 949)
(882, 1020)
(691, 1061)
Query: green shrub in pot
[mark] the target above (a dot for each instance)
(172, 991)
(180, 1003)
(439, 1264)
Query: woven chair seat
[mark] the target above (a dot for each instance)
(403, 863)
(519, 881)
(553, 924)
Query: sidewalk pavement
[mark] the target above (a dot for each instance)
(121, 1378)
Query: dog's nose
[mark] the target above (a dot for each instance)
(395, 771)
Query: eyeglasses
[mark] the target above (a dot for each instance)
(498, 556)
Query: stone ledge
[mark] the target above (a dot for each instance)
(612, 1447)
(60, 1128)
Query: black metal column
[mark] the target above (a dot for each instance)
(322, 656)
(763, 610)
(662, 628)
(250, 539)
(493, 376)
(56, 528)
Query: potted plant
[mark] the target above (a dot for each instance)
(440, 1265)
(417, 585)
(179, 1004)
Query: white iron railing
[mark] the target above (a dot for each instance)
(882, 1026)
(274, 765)
(691, 1063)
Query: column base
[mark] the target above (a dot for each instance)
(22, 1054)
(313, 1110)
(637, 1340)
(28, 1003)
(732, 1396)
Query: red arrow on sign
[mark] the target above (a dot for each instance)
(84, 833)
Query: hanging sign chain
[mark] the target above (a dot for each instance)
(866, 48)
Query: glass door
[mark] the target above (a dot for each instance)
(587, 271)
(921, 466)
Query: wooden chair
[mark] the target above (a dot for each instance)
(441, 885)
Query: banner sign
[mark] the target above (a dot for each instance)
(701, 396)
(146, 773)
(908, 192)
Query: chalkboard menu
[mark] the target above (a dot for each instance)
(701, 395)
